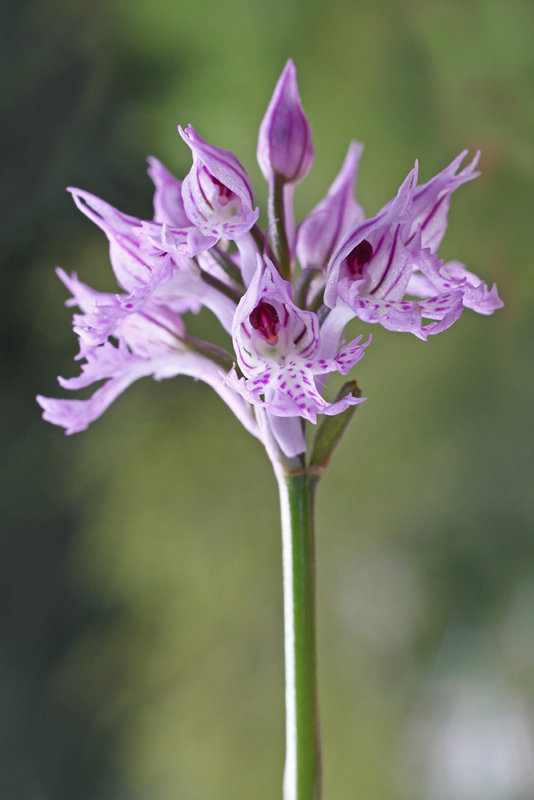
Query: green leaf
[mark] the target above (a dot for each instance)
(332, 429)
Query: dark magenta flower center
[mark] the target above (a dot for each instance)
(264, 318)
(358, 257)
(225, 194)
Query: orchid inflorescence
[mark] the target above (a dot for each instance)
(284, 295)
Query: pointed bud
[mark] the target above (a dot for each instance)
(284, 144)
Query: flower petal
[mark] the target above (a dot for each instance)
(168, 203)
(431, 200)
(321, 231)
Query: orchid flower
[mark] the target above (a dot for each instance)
(217, 193)
(281, 353)
(383, 262)
(283, 297)
(151, 340)
(279, 350)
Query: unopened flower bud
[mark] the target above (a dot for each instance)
(284, 144)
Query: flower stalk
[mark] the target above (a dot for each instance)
(277, 216)
(302, 774)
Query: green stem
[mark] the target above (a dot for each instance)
(302, 776)
(233, 293)
(261, 242)
(277, 220)
(226, 263)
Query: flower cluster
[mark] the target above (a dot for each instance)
(284, 299)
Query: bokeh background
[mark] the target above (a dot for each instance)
(141, 650)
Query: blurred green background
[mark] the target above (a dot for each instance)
(141, 650)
